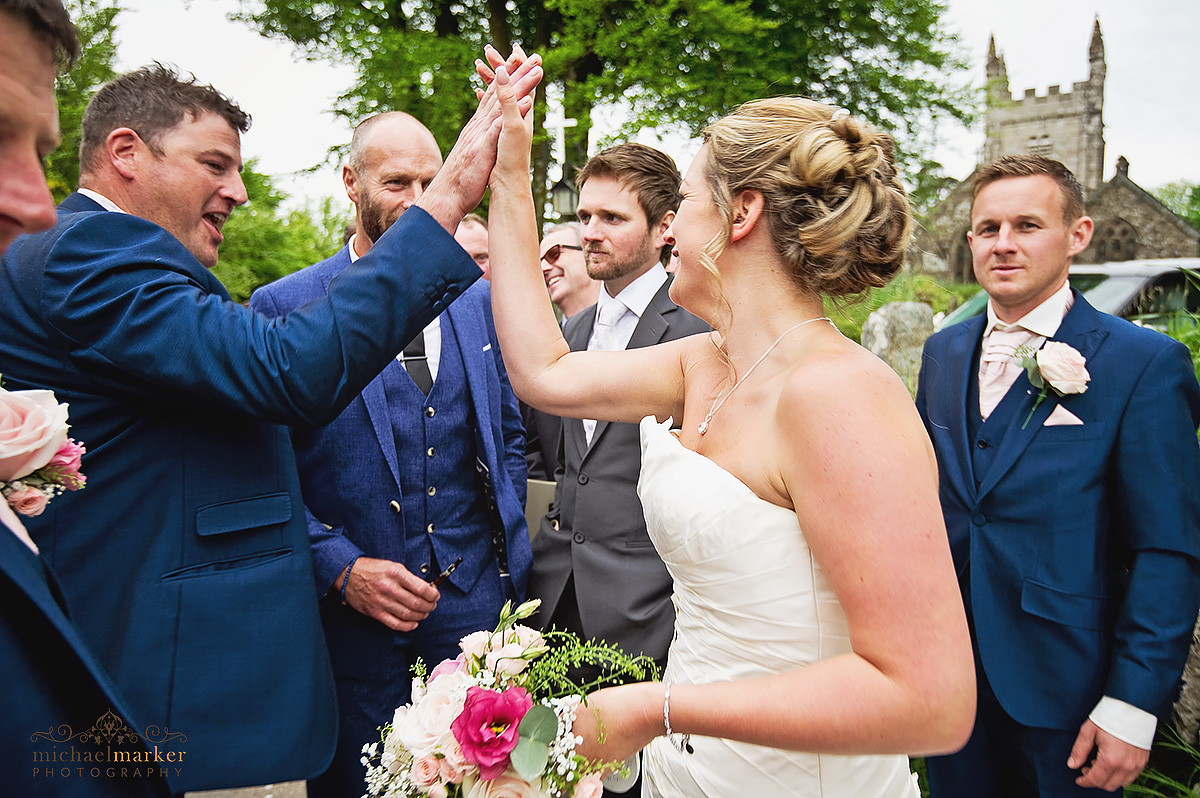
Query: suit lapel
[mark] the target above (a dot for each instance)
(467, 322)
(373, 396)
(576, 334)
(1078, 329)
(954, 401)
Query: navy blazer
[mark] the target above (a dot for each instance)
(186, 557)
(349, 469)
(1082, 541)
(54, 690)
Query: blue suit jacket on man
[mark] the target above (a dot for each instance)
(1081, 541)
(186, 557)
(54, 691)
(349, 470)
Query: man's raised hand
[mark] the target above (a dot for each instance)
(459, 185)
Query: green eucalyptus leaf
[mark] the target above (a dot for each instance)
(539, 724)
(529, 758)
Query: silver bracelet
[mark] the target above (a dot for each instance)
(684, 741)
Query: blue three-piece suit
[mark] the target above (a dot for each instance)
(420, 481)
(1076, 545)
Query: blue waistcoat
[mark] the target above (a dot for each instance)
(445, 508)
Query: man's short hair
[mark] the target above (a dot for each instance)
(474, 218)
(575, 227)
(151, 101)
(1031, 166)
(650, 174)
(48, 21)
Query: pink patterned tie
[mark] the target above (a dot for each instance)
(998, 368)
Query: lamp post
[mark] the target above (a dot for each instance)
(564, 199)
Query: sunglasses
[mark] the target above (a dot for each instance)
(555, 252)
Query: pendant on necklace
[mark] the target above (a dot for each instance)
(703, 428)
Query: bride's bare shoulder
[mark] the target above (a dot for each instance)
(844, 381)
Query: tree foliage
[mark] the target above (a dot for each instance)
(1183, 197)
(264, 242)
(660, 61)
(96, 23)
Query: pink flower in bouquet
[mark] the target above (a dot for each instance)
(453, 764)
(438, 791)
(508, 659)
(32, 426)
(486, 729)
(508, 784)
(427, 722)
(589, 786)
(459, 663)
(528, 638)
(425, 771)
(63, 467)
(26, 500)
(476, 644)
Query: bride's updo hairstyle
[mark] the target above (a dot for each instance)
(835, 207)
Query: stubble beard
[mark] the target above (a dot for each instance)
(617, 266)
(374, 219)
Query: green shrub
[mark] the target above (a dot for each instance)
(909, 286)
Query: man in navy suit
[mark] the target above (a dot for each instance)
(53, 686)
(425, 468)
(186, 560)
(1073, 518)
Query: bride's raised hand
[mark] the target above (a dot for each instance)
(516, 136)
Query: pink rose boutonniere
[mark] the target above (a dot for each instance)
(1055, 367)
(37, 459)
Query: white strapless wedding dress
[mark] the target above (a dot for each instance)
(750, 600)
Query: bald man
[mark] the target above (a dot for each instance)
(423, 471)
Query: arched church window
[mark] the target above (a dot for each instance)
(1115, 240)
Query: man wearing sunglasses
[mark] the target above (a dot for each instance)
(564, 269)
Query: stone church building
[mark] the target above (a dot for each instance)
(1069, 127)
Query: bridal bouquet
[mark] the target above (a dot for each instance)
(37, 459)
(496, 721)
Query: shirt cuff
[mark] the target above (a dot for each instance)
(1125, 722)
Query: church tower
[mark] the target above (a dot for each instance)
(1068, 127)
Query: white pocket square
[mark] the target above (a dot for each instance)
(1062, 417)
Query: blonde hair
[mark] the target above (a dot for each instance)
(837, 213)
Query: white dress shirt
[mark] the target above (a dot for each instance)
(432, 332)
(633, 299)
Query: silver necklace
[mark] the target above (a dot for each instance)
(720, 400)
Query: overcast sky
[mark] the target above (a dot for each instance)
(1151, 112)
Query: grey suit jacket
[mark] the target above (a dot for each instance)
(595, 528)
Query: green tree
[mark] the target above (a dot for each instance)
(1183, 197)
(662, 61)
(96, 22)
(263, 242)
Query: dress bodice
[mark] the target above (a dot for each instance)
(751, 600)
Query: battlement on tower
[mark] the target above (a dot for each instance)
(1065, 125)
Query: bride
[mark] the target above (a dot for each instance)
(819, 635)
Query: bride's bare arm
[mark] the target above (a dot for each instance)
(861, 474)
(615, 386)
